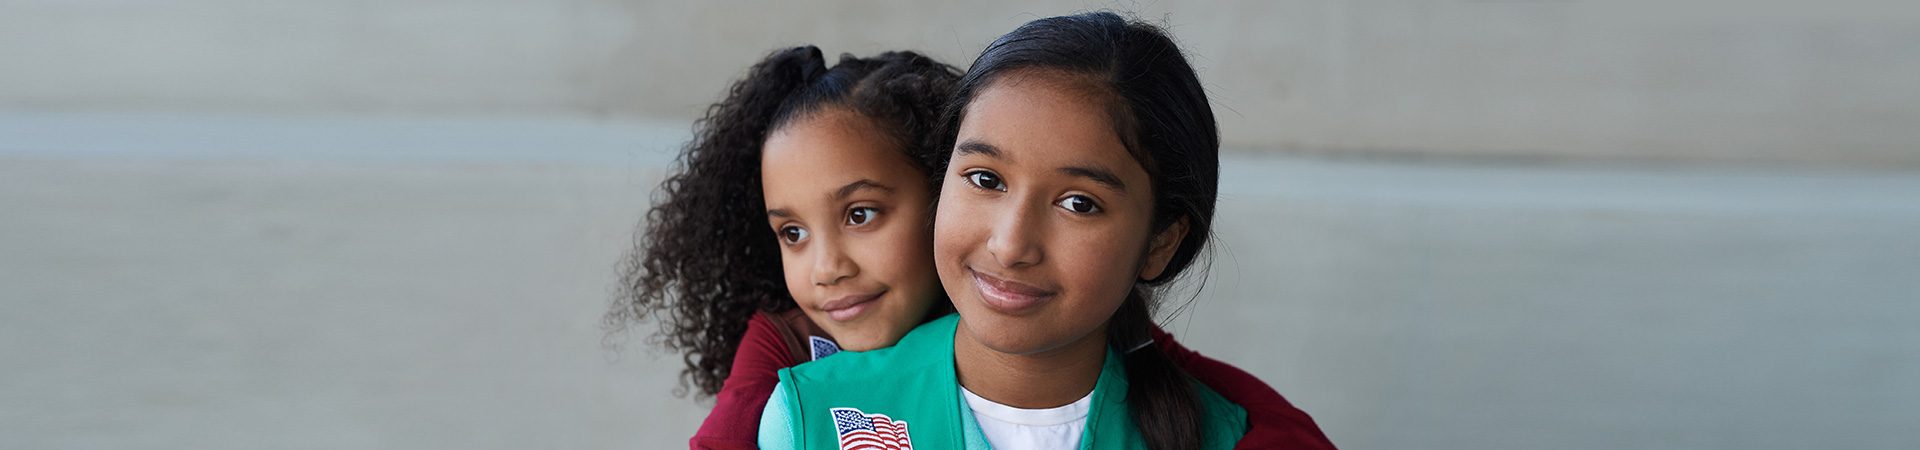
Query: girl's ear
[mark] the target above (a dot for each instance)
(1160, 250)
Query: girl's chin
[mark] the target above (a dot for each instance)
(857, 346)
(861, 340)
(1012, 339)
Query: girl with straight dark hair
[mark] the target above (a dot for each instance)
(1082, 178)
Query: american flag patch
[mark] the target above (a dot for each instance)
(822, 347)
(861, 431)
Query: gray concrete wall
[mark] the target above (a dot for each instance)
(359, 224)
(221, 283)
(1827, 83)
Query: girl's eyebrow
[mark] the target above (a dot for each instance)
(971, 147)
(1098, 175)
(838, 195)
(1091, 172)
(857, 186)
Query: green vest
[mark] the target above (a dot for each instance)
(914, 386)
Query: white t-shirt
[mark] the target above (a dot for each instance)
(1010, 428)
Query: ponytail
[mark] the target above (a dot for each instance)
(1159, 395)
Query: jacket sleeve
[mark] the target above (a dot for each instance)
(1272, 422)
(735, 419)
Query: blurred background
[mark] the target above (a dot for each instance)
(1444, 225)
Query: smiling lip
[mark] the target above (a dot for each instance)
(1008, 296)
(850, 306)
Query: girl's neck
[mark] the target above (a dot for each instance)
(1047, 379)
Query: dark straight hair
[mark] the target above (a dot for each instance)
(1160, 111)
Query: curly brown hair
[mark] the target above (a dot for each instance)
(704, 262)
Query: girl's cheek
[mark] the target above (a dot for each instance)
(796, 277)
(906, 250)
(948, 235)
(959, 224)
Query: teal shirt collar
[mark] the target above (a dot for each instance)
(1109, 400)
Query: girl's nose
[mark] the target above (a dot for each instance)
(830, 264)
(1015, 241)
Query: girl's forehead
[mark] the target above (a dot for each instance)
(822, 154)
(1038, 117)
(1066, 81)
(833, 133)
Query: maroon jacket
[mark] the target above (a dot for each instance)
(779, 341)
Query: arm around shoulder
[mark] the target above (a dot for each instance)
(737, 407)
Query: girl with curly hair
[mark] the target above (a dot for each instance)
(797, 223)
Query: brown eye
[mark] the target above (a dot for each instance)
(1079, 204)
(861, 215)
(985, 180)
(792, 234)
